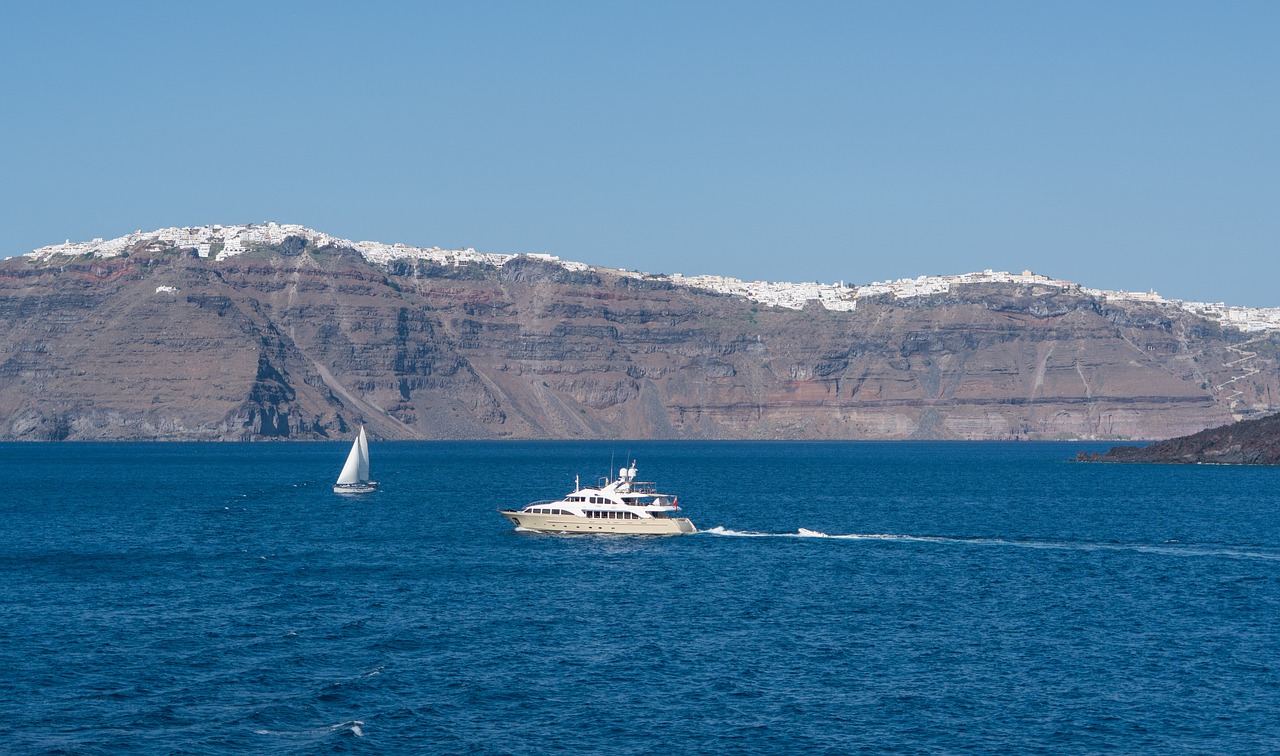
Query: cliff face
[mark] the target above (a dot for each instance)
(294, 341)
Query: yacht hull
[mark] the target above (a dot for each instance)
(355, 487)
(549, 523)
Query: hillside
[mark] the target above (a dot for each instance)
(303, 336)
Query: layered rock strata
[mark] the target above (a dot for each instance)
(305, 339)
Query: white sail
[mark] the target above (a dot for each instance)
(351, 470)
(363, 441)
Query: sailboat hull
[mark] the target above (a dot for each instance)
(366, 487)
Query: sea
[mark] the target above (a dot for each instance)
(839, 598)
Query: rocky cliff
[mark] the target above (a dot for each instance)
(306, 339)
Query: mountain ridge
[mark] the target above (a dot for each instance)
(305, 336)
(222, 242)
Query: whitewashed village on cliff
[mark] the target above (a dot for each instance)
(222, 242)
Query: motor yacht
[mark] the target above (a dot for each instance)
(622, 505)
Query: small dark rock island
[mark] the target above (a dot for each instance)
(1248, 442)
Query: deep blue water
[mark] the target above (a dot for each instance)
(220, 598)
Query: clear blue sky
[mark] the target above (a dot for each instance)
(1119, 144)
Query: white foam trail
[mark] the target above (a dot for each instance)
(1167, 550)
(353, 725)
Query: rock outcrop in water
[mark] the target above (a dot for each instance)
(306, 339)
(1248, 442)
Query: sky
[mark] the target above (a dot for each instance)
(1119, 144)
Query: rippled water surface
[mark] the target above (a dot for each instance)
(842, 598)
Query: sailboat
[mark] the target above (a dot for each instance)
(355, 473)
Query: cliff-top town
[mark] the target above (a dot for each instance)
(222, 242)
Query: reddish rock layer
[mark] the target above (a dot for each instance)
(306, 343)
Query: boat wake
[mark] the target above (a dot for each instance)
(1168, 548)
(352, 726)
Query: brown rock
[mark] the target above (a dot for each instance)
(304, 343)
